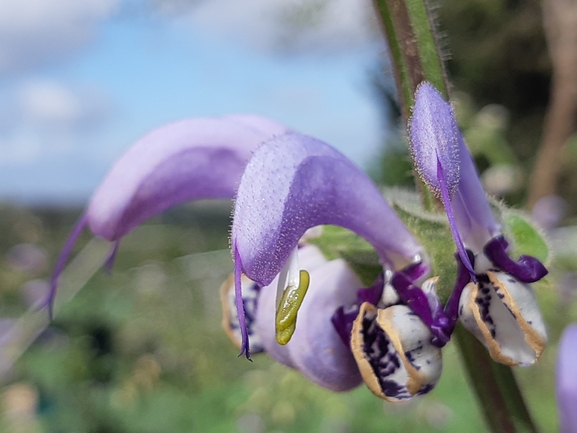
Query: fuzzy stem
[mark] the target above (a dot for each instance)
(495, 386)
(415, 57)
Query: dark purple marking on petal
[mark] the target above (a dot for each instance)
(526, 269)
(430, 312)
(452, 222)
(413, 297)
(61, 262)
(452, 306)
(382, 357)
(372, 294)
(416, 270)
(244, 348)
(344, 317)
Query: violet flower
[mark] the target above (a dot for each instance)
(566, 375)
(495, 302)
(293, 183)
(187, 160)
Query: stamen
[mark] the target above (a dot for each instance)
(452, 223)
(288, 308)
(289, 275)
(244, 347)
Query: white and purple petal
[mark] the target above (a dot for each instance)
(394, 352)
(504, 315)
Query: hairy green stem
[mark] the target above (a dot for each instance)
(415, 57)
(495, 386)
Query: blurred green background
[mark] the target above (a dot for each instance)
(142, 350)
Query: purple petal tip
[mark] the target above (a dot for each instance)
(433, 134)
(567, 380)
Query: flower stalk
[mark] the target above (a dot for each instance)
(416, 58)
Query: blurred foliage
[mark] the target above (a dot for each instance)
(498, 62)
(142, 350)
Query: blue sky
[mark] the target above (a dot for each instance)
(81, 83)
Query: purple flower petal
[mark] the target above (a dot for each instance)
(474, 217)
(434, 136)
(188, 160)
(294, 182)
(526, 269)
(310, 257)
(315, 349)
(440, 155)
(567, 380)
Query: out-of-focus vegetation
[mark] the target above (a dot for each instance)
(142, 350)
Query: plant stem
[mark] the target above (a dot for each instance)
(415, 58)
(495, 386)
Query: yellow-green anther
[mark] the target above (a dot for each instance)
(291, 301)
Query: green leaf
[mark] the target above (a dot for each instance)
(336, 242)
(525, 237)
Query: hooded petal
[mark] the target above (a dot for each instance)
(567, 380)
(434, 139)
(393, 350)
(504, 315)
(188, 160)
(438, 148)
(295, 182)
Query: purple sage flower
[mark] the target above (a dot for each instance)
(293, 183)
(187, 160)
(495, 301)
(567, 380)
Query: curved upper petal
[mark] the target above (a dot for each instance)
(187, 160)
(434, 133)
(567, 380)
(294, 182)
(440, 155)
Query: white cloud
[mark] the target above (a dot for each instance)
(285, 25)
(40, 118)
(50, 102)
(33, 32)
